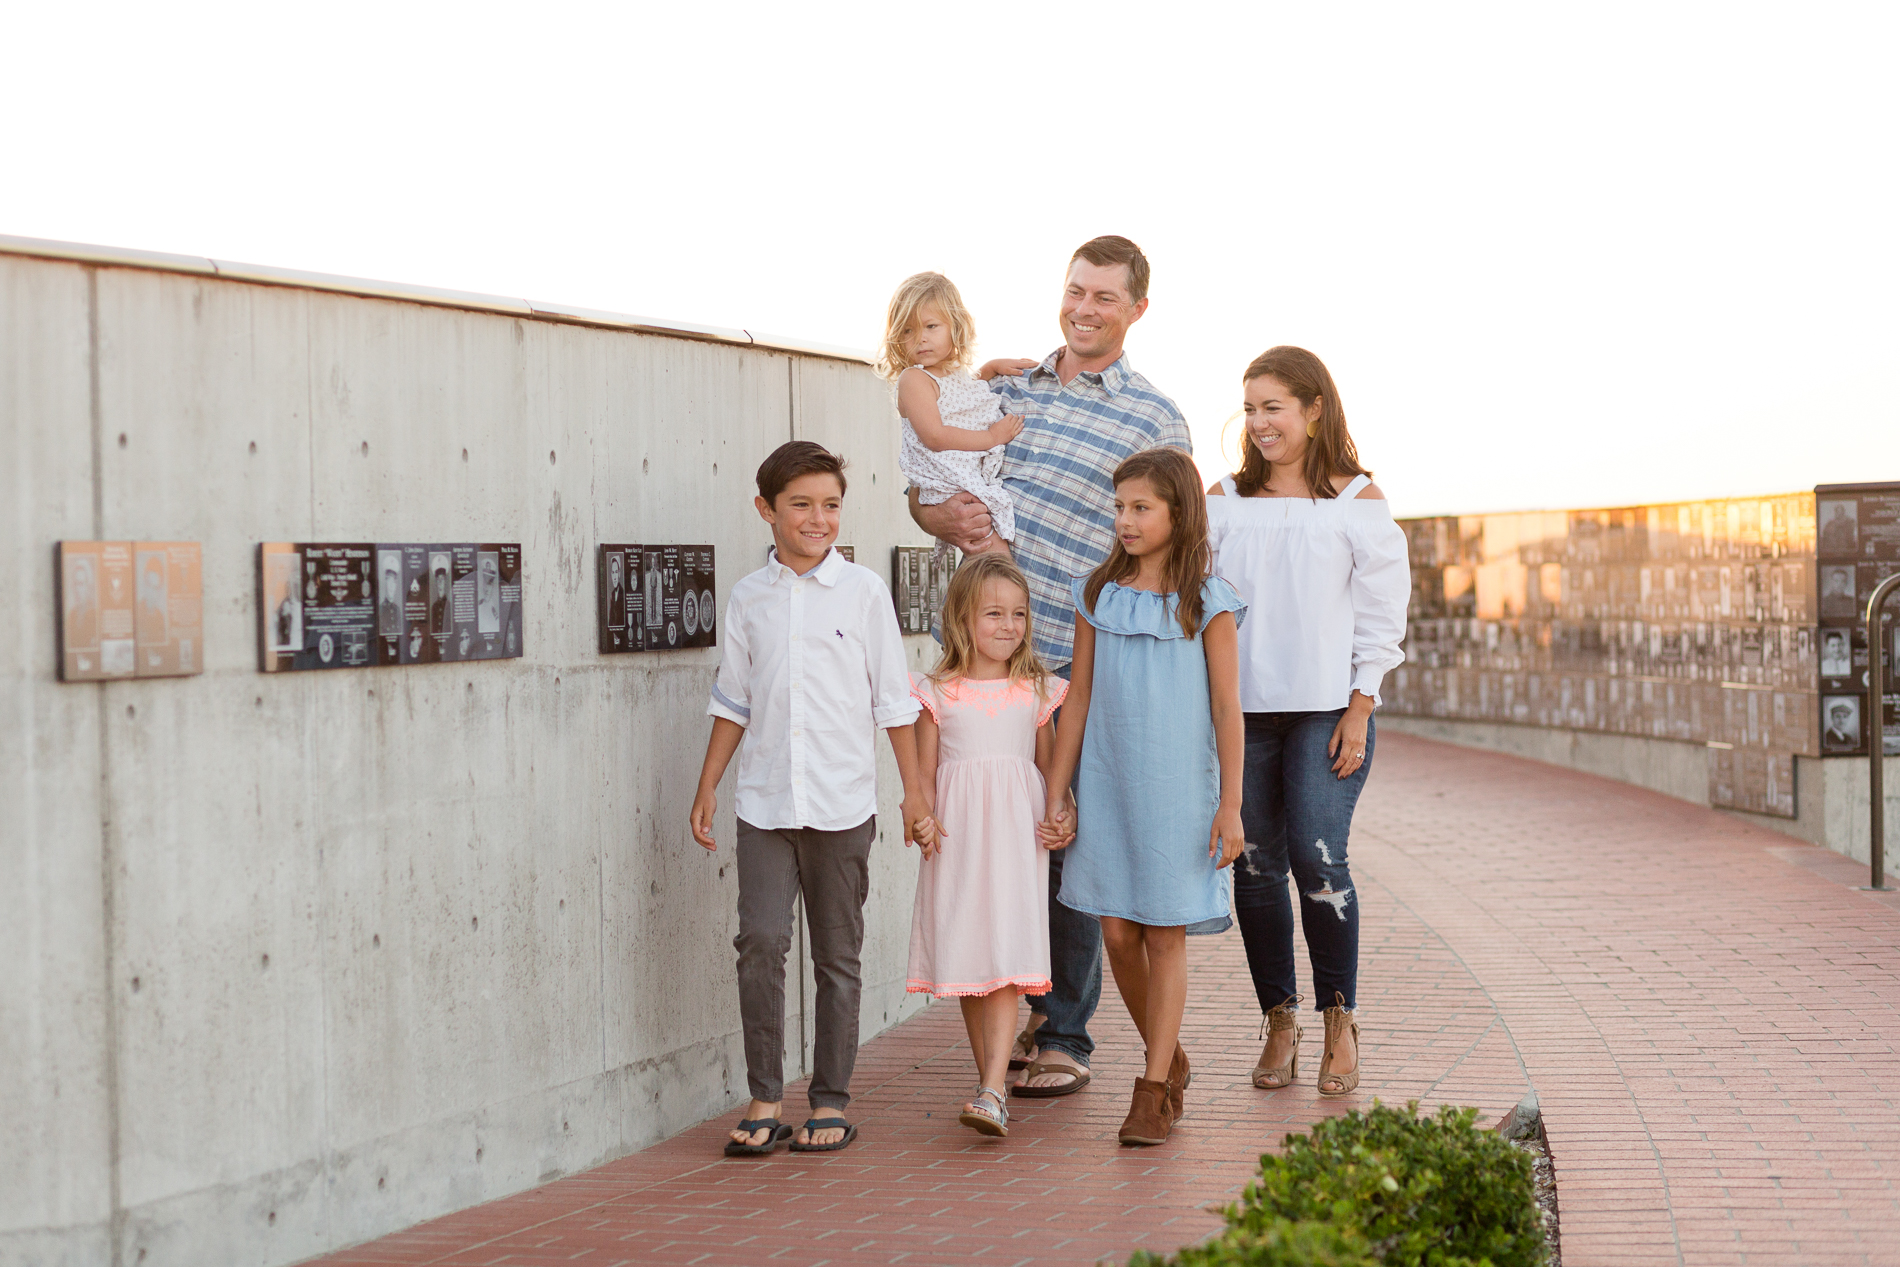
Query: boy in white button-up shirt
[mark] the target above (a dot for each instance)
(813, 667)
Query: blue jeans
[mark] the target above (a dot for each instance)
(1075, 967)
(1297, 814)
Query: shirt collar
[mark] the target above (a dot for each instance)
(1110, 380)
(826, 573)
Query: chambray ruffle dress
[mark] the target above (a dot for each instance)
(1149, 779)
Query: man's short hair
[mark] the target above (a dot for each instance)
(793, 459)
(1103, 252)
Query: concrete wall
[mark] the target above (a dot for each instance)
(292, 961)
(1830, 793)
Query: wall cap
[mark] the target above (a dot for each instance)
(270, 275)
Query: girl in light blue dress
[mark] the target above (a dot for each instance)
(1152, 735)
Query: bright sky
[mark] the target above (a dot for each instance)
(1554, 255)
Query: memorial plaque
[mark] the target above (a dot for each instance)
(656, 598)
(97, 626)
(1857, 545)
(329, 605)
(318, 606)
(170, 618)
(920, 576)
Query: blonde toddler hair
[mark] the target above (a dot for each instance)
(918, 290)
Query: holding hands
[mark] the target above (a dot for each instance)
(1057, 829)
(921, 827)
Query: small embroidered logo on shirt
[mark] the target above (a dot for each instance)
(839, 632)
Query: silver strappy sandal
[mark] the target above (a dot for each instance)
(987, 1114)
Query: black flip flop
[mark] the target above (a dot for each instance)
(825, 1124)
(780, 1133)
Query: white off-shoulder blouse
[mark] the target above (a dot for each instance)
(1326, 582)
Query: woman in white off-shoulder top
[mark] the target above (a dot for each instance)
(1306, 537)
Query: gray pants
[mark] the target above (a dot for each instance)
(832, 869)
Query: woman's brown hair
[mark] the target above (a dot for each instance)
(959, 607)
(1190, 561)
(1330, 452)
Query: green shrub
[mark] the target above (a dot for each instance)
(1385, 1187)
(1277, 1243)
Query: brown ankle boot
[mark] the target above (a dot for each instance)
(1147, 1121)
(1179, 1075)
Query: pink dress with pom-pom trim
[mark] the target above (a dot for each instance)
(981, 920)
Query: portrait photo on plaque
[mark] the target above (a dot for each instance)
(497, 598)
(97, 626)
(1840, 723)
(280, 565)
(1837, 591)
(389, 593)
(1839, 526)
(1837, 653)
(170, 619)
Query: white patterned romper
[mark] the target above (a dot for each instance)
(965, 403)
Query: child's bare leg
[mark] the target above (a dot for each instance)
(973, 1025)
(998, 1012)
(1167, 996)
(1128, 959)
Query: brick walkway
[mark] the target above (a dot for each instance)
(1707, 1011)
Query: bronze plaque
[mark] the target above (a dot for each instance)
(170, 619)
(920, 577)
(97, 627)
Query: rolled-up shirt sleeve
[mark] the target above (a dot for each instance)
(1381, 592)
(892, 703)
(731, 693)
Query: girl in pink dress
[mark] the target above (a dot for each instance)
(980, 929)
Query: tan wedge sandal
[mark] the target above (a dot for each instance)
(1277, 1021)
(1338, 1021)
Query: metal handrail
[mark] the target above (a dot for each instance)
(1876, 729)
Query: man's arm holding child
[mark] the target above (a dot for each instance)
(917, 403)
(962, 520)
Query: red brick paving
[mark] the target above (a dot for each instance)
(1706, 1009)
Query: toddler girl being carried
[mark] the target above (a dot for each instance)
(979, 931)
(954, 429)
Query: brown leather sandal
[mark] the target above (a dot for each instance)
(1277, 1021)
(1147, 1121)
(1338, 1021)
(1078, 1078)
(1024, 1049)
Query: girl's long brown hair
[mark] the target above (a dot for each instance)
(1330, 453)
(959, 609)
(1190, 561)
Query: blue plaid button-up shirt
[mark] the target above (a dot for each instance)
(1060, 472)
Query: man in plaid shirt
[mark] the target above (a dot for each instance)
(1086, 411)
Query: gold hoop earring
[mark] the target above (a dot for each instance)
(1312, 430)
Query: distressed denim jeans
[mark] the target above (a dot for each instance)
(1297, 815)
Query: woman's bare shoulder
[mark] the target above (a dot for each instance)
(1217, 489)
(1371, 492)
